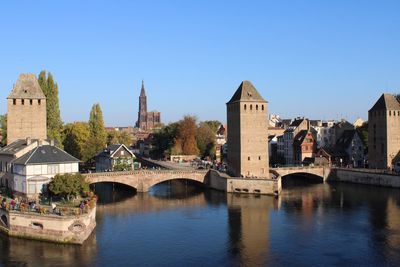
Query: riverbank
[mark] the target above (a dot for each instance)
(365, 176)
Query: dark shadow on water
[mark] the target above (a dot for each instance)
(177, 189)
(112, 192)
(300, 180)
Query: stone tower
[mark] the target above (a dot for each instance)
(26, 115)
(247, 133)
(142, 114)
(384, 132)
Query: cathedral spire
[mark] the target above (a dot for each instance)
(142, 92)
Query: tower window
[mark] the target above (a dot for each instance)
(248, 158)
(30, 102)
(262, 107)
(39, 101)
(245, 106)
(22, 101)
(251, 107)
(259, 157)
(14, 101)
(390, 113)
(256, 107)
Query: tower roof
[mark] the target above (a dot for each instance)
(386, 102)
(27, 86)
(142, 91)
(246, 92)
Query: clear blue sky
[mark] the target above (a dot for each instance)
(319, 59)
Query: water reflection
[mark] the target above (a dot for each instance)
(181, 224)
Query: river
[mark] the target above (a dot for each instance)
(180, 224)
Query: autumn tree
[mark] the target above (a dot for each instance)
(119, 137)
(3, 130)
(54, 122)
(76, 136)
(185, 141)
(214, 125)
(206, 139)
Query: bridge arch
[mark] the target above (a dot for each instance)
(309, 176)
(144, 179)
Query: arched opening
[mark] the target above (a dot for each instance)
(4, 220)
(108, 192)
(177, 188)
(301, 180)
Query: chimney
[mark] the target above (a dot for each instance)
(28, 141)
(52, 142)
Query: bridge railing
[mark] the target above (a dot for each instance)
(138, 172)
(387, 172)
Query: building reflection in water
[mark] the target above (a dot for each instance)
(249, 226)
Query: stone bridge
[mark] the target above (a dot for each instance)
(142, 180)
(320, 171)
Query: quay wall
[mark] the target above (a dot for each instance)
(223, 182)
(48, 227)
(369, 177)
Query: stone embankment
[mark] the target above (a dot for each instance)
(69, 225)
(365, 176)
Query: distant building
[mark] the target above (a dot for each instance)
(351, 143)
(247, 119)
(358, 123)
(220, 141)
(146, 120)
(297, 125)
(325, 133)
(26, 113)
(115, 158)
(304, 146)
(340, 127)
(384, 132)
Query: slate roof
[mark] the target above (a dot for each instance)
(386, 102)
(111, 149)
(27, 86)
(345, 139)
(335, 152)
(299, 138)
(296, 122)
(46, 154)
(246, 92)
(15, 146)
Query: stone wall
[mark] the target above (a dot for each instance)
(229, 184)
(54, 228)
(365, 177)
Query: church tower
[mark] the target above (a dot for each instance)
(26, 115)
(247, 119)
(142, 114)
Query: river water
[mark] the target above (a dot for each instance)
(180, 224)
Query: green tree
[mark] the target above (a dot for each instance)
(363, 130)
(54, 122)
(76, 136)
(206, 139)
(214, 125)
(98, 134)
(3, 130)
(68, 185)
(164, 140)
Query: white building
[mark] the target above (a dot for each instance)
(29, 172)
(325, 133)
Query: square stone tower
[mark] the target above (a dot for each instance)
(384, 132)
(247, 133)
(26, 115)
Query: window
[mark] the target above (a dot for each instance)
(245, 106)
(22, 101)
(262, 107)
(248, 158)
(251, 107)
(39, 101)
(52, 168)
(30, 102)
(256, 107)
(390, 113)
(14, 101)
(259, 157)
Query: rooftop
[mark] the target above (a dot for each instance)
(46, 154)
(27, 86)
(386, 102)
(246, 92)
